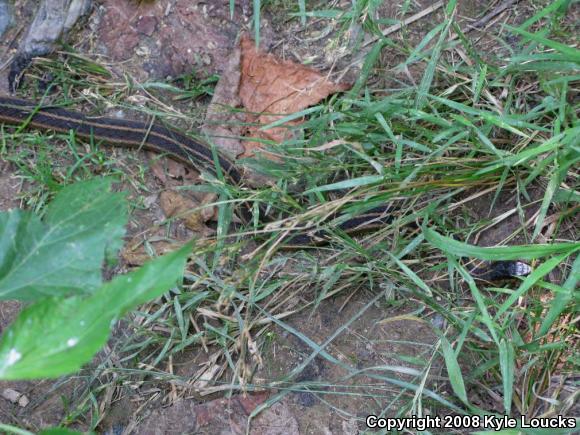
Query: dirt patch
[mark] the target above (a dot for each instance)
(220, 415)
(170, 38)
(382, 345)
(9, 186)
(371, 354)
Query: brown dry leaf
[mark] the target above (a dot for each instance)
(135, 253)
(162, 167)
(176, 205)
(272, 88)
(158, 169)
(209, 213)
(176, 169)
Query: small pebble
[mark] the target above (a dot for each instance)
(438, 321)
(15, 397)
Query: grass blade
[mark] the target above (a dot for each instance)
(429, 74)
(523, 252)
(453, 370)
(571, 53)
(507, 366)
(562, 299)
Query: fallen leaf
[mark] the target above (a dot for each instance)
(271, 88)
(176, 169)
(158, 168)
(136, 254)
(209, 213)
(166, 170)
(179, 206)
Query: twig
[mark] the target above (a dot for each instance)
(487, 18)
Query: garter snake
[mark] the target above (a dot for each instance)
(157, 138)
(160, 139)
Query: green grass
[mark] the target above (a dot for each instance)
(506, 125)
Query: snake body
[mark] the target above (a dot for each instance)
(117, 132)
(160, 139)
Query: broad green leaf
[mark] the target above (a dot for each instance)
(56, 336)
(91, 203)
(523, 252)
(64, 252)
